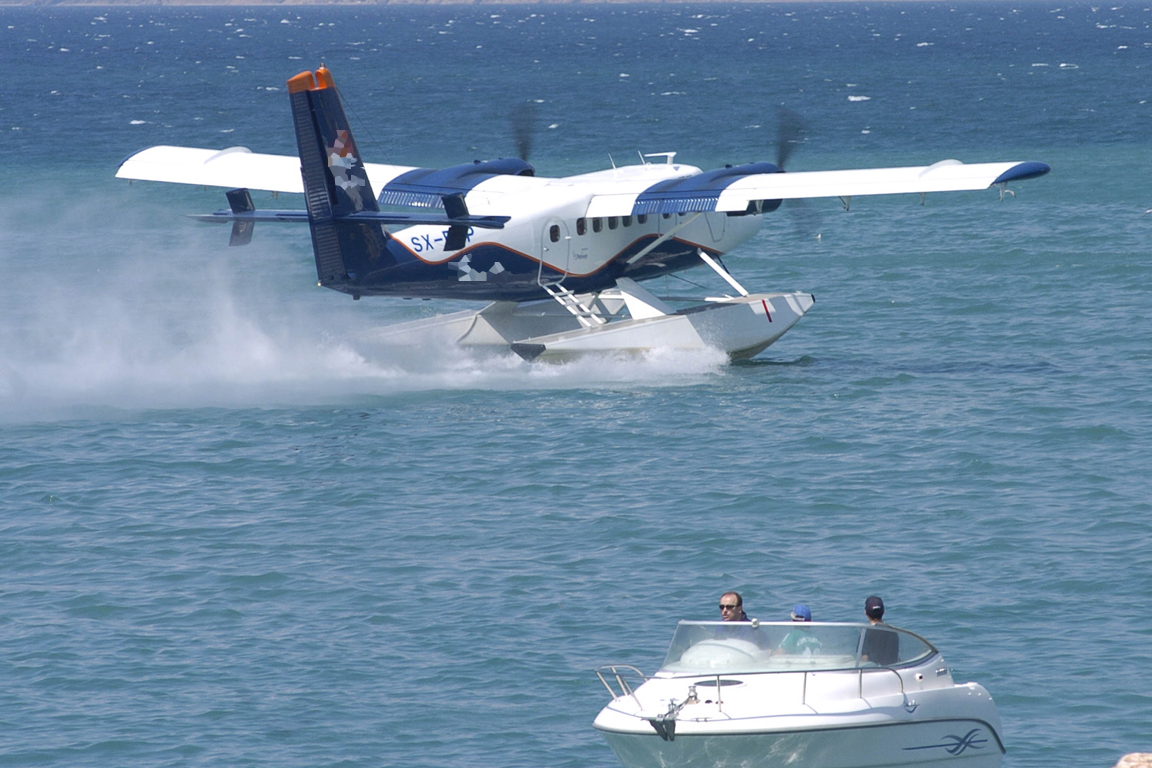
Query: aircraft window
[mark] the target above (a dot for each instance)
(612, 222)
(627, 221)
(554, 233)
(642, 218)
(597, 224)
(581, 226)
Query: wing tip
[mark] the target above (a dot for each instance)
(1022, 171)
(120, 167)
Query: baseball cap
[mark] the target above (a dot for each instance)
(801, 612)
(874, 607)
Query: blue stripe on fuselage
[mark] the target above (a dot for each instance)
(493, 272)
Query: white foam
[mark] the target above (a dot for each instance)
(171, 317)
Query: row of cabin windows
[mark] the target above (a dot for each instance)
(598, 224)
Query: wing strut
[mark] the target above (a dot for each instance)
(721, 270)
(663, 238)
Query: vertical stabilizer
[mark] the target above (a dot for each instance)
(335, 185)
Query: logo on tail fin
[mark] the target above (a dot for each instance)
(342, 162)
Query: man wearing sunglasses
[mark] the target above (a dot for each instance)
(732, 607)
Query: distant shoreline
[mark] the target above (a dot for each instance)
(369, 3)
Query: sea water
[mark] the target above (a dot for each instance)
(230, 537)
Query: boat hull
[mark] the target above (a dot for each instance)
(961, 742)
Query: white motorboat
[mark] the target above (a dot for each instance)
(797, 694)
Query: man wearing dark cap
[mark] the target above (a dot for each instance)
(881, 646)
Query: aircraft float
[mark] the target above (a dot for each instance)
(561, 260)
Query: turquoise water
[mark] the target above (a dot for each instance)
(228, 537)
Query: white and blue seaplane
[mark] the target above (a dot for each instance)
(560, 260)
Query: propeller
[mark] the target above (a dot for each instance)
(524, 128)
(791, 130)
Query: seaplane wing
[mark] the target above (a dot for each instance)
(731, 190)
(737, 188)
(235, 167)
(486, 183)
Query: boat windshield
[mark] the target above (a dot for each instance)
(711, 647)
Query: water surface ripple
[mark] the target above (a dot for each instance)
(230, 537)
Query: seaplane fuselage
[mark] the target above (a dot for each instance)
(554, 239)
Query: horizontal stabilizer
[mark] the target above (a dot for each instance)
(380, 217)
(227, 217)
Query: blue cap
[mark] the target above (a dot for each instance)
(801, 612)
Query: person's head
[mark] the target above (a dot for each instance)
(731, 606)
(874, 609)
(801, 613)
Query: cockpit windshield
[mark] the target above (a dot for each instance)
(712, 647)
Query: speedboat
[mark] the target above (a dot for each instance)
(757, 694)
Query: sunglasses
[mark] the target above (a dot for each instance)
(728, 607)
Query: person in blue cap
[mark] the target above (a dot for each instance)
(800, 641)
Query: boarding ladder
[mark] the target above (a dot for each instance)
(584, 314)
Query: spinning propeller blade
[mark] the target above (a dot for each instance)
(791, 130)
(524, 128)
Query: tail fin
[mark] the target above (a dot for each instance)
(335, 185)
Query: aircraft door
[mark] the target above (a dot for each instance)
(556, 246)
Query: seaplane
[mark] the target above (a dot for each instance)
(560, 262)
